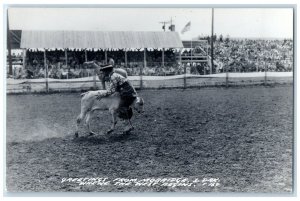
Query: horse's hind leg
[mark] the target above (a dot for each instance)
(114, 121)
(87, 123)
(131, 126)
(79, 119)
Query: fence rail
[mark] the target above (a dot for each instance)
(151, 82)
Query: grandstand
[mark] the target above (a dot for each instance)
(151, 53)
(104, 43)
(61, 54)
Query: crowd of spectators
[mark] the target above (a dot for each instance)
(254, 55)
(230, 55)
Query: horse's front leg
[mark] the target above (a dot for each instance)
(80, 117)
(114, 121)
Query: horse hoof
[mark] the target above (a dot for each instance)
(130, 129)
(127, 132)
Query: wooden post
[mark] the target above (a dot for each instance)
(265, 74)
(184, 77)
(227, 76)
(125, 58)
(94, 79)
(105, 56)
(10, 70)
(180, 64)
(163, 57)
(46, 71)
(24, 58)
(212, 41)
(85, 55)
(66, 56)
(141, 69)
(180, 61)
(191, 51)
(207, 58)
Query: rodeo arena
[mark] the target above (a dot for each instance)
(210, 114)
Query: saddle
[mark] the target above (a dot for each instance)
(125, 113)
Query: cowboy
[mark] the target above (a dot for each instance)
(119, 83)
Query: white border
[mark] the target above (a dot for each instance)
(184, 2)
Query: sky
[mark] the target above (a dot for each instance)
(235, 22)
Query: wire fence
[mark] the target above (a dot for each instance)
(142, 81)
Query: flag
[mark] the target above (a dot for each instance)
(186, 28)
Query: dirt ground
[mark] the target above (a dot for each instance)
(238, 139)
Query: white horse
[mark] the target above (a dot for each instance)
(90, 103)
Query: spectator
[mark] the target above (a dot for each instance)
(232, 55)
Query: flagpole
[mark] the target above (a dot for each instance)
(191, 44)
(191, 49)
(212, 40)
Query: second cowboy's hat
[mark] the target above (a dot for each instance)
(98, 67)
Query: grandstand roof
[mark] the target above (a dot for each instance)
(99, 39)
(15, 39)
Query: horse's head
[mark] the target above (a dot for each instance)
(138, 104)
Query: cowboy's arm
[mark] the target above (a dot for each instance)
(111, 88)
